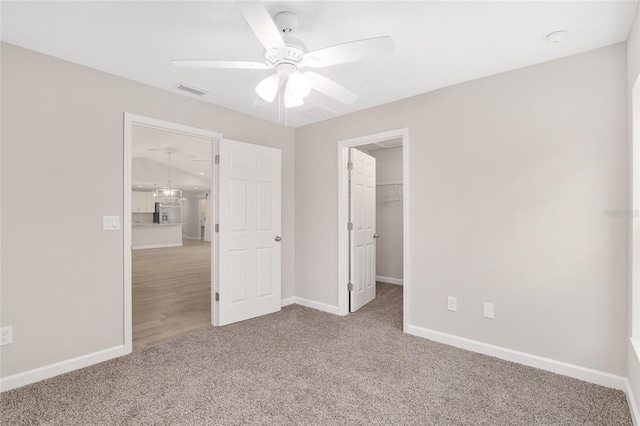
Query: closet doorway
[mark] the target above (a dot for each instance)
(386, 225)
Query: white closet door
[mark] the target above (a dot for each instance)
(362, 200)
(249, 231)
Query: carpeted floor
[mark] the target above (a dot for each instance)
(302, 366)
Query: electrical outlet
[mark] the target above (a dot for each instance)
(452, 304)
(6, 335)
(487, 310)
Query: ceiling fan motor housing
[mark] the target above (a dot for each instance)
(294, 53)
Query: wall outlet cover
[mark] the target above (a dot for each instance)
(452, 304)
(487, 310)
(6, 335)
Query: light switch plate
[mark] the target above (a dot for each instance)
(110, 223)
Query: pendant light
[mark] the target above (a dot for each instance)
(168, 191)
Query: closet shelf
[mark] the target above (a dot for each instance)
(391, 185)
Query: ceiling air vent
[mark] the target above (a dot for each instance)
(191, 89)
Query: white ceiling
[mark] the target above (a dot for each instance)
(190, 159)
(437, 44)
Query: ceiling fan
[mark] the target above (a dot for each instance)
(288, 56)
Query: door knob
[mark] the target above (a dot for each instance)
(376, 236)
(278, 239)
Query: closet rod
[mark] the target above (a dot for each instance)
(390, 184)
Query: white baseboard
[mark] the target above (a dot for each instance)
(317, 305)
(48, 371)
(389, 280)
(633, 407)
(288, 301)
(155, 246)
(582, 373)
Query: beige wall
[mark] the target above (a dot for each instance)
(62, 170)
(389, 213)
(510, 176)
(633, 72)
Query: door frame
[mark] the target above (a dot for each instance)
(129, 121)
(343, 216)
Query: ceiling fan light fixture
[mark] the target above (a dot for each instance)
(298, 85)
(267, 89)
(290, 100)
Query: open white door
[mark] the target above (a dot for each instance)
(362, 210)
(249, 231)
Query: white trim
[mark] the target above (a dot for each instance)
(389, 280)
(633, 407)
(343, 202)
(129, 121)
(405, 230)
(288, 301)
(52, 370)
(317, 305)
(635, 344)
(582, 373)
(156, 246)
(634, 216)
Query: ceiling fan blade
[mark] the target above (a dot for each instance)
(262, 25)
(330, 88)
(348, 52)
(197, 63)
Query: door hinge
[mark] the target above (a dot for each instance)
(217, 296)
(217, 159)
(217, 228)
(350, 226)
(350, 286)
(349, 165)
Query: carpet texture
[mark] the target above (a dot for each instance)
(302, 366)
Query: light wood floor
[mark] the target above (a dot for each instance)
(171, 291)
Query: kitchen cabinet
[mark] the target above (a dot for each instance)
(142, 202)
(138, 202)
(150, 202)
